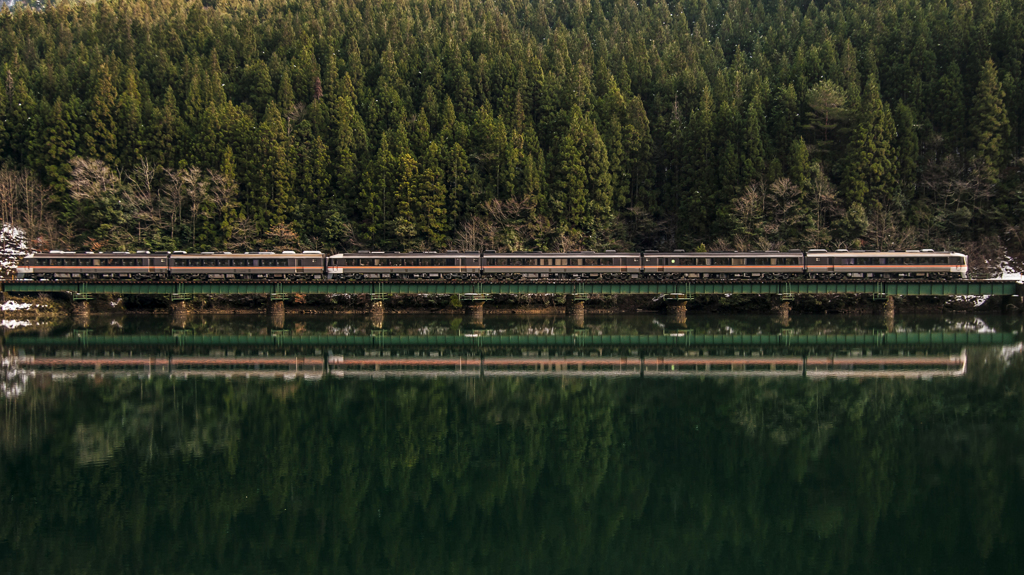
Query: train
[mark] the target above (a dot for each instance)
(608, 265)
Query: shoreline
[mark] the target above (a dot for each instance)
(48, 307)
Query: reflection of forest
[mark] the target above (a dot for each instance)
(515, 475)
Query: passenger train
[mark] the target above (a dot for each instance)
(610, 265)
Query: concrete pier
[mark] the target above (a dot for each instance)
(676, 310)
(782, 309)
(576, 308)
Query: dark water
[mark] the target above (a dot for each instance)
(432, 445)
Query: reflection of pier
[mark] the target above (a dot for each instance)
(377, 364)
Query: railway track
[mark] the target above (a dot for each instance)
(526, 281)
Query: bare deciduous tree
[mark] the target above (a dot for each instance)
(140, 197)
(243, 235)
(92, 180)
(178, 189)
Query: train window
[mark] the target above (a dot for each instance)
(939, 261)
(956, 261)
(739, 261)
(719, 261)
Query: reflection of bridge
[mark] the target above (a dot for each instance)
(493, 338)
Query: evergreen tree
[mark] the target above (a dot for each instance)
(59, 143)
(376, 196)
(163, 132)
(101, 135)
(431, 214)
(872, 162)
(907, 147)
(313, 186)
(950, 107)
(989, 122)
(129, 122)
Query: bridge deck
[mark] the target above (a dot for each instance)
(877, 287)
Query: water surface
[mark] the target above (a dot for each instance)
(248, 444)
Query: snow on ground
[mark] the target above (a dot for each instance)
(12, 247)
(976, 301)
(1008, 270)
(15, 306)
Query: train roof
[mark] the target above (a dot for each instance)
(418, 255)
(180, 255)
(724, 254)
(604, 254)
(887, 254)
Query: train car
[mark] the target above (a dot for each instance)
(247, 266)
(89, 265)
(607, 264)
(382, 265)
(723, 264)
(865, 264)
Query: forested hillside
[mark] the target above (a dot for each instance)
(539, 124)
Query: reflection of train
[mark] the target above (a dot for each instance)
(374, 364)
(691, 364)
(448, 265)
(249, 367)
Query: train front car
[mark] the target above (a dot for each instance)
(57, 265)
(607, 265)
(722, 265)
(247, 266)
(865, 264)
(384, 265)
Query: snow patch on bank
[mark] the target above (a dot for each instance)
(975, 300)
(1009, 270)
(12, 248)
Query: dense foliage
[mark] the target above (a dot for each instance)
(514, 125)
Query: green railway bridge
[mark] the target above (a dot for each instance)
(475, 293)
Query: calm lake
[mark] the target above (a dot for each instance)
(431, 444)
